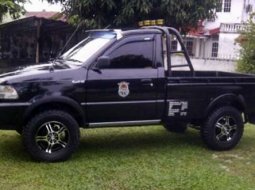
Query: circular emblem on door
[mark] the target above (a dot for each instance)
(123, 89)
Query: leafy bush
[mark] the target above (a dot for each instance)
(246, 63)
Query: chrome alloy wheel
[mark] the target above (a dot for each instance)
(52, 136)
(226, 128)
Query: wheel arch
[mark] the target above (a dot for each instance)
(233, 100)
(58, 103)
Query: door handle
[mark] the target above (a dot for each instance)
(147, 82)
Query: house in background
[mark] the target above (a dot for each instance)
(216, 39)
(34, 38)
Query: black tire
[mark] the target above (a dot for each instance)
(51, 136)
(223, 129)
(176, 127)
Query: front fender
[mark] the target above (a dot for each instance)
(56, 100)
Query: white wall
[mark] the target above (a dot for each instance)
(228, 49)
(246, 16)
(237, 15)
(205, 64)
(208, 48)
(214, 65)
(207, 51)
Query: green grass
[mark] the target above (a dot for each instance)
(132, 158)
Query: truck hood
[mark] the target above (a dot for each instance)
(30, 70)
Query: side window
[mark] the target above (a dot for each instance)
(227, 6)
(174, 45)
(219, 6)
(133, 55)
(215, 49)
(189, 46)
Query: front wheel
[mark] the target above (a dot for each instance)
(223, 129)
(51, 136)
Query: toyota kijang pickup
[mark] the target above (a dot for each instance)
(123, 78)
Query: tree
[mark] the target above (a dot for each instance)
(127, 13)
(12, 7)
(246, 63)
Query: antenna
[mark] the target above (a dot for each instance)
(69, 39)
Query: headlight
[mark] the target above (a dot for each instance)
(8, 92)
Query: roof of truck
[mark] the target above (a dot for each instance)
(129, 32)
(141, 31)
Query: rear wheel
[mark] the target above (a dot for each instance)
(223, 129)
(176, 127)
(51, 136)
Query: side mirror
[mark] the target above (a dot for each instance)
(103, 62)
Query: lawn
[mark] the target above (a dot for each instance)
(132, 158)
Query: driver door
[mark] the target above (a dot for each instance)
(127, 89)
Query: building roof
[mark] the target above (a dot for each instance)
(42, 14)
(47, 15)
(213, 32)
(31, 23)
(201, 31)
(197, 32)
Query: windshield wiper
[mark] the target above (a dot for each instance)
(59, 60)
(73, 60)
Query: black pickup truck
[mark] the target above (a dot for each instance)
(122, 78)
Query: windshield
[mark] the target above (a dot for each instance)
(84, 50)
